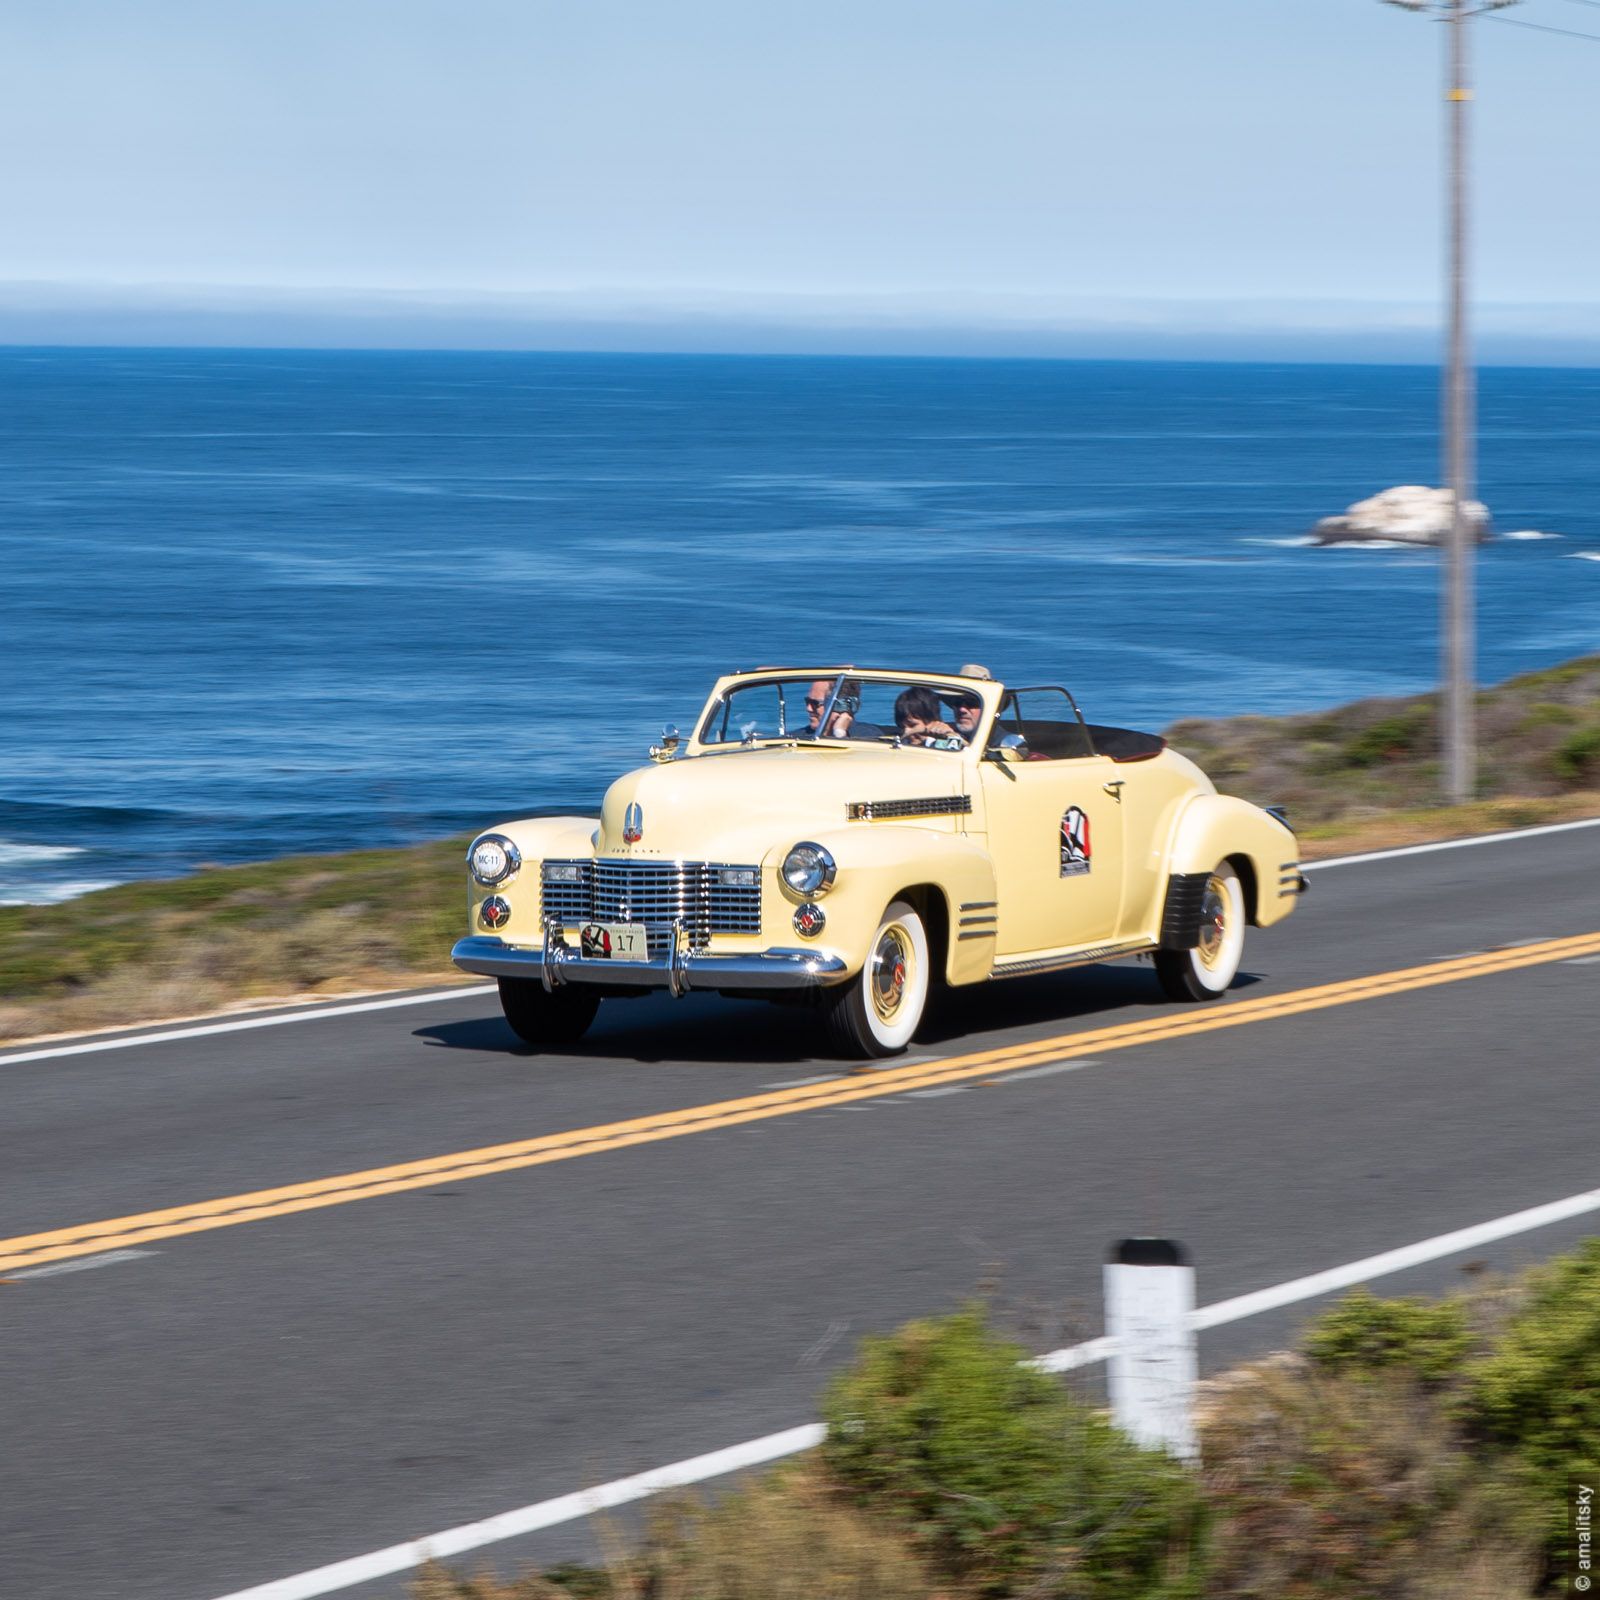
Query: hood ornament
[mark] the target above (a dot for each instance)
(633, 823)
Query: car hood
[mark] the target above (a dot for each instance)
(739, 804)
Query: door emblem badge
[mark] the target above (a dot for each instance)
(633, 823)
(1076, 852)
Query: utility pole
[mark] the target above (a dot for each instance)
(1456, 602)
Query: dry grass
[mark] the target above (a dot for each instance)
(303, 927)
(1426, 824)
(1328, 1487)
(786, 1537)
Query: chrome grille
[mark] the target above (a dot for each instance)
(656, 893)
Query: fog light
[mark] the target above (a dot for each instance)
(810, 920)
(495, 912)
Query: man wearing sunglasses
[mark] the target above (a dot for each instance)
(843, 712)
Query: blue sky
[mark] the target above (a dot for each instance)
(655, 166)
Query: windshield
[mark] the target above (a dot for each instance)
(906, 713)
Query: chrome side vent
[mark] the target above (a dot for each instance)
(938, 805)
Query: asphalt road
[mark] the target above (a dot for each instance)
(244, 1403)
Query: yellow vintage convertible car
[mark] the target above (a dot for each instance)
(851, 837)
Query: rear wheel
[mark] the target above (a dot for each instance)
(546, 1021)
(1205, 972)
(877, 1011)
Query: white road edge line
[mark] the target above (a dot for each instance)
(274, 1021)
(756, 1452)
(1450, 844)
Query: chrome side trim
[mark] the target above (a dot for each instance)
(679, 972)
(938, 805)
(979, 905)
(977, 933)
(1075, 958)
(973, 922)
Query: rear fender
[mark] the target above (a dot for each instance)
(1214, 828)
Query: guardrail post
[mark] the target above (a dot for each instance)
(1149, 1295)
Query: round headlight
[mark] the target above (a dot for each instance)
(493, 859)
(808, 869)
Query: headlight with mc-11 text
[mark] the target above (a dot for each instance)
(493, 859)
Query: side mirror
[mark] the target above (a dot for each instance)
(668, 748)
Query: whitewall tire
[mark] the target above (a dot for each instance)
(1205, 972)
(879, 1010)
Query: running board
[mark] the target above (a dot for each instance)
(1073, 958)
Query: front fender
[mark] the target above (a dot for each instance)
(539, 839)
(881, 861)
(1221, 827)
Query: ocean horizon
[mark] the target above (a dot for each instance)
(260, 602)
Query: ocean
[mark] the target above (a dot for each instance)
(262, 602)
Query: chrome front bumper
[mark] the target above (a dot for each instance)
(681, 970)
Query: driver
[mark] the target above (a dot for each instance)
(966, 712)
(843, 712)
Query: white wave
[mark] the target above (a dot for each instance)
(1585, 555)
(1374, 544)
(1298, 541)
(52, 894)
(12, 855)
(1530, 533)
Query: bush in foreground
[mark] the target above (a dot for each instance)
(1412, 1450)
(1535, 1395)
(1430, 1339)
(1002, 1478)
(1352, 1484)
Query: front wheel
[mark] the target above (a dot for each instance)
(878, 1010)
(1205, 972)
(546, 1021)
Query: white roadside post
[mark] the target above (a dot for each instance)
(1149, 1293)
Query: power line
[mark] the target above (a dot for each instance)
(1595, 3)
(1541, 27)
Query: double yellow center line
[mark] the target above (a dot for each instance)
(90, 1238)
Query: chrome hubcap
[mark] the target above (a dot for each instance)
(1213, 922)
(886, 978)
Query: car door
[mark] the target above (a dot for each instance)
(1055, 831)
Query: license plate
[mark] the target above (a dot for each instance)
(614, 941)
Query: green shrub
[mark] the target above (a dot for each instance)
(1537, 1392)
(1006, 1481)
(1407, 733)
(1547, 714)
(1577, 758)
(1361, 1333)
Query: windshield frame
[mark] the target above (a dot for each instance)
(987, 691)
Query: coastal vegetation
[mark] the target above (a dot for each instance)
(1406, 1450)
(1357, 778)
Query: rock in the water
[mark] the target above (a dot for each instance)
(1409, 514)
